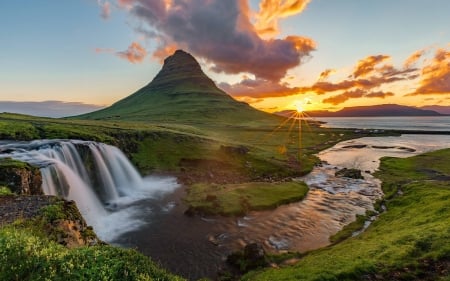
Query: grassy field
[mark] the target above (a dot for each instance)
(261, 150)
(410, 241)
(237, 199)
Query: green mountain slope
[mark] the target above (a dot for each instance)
(180, 92)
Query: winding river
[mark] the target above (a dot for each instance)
(148, 213)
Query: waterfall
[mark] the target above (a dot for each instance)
(98, 177)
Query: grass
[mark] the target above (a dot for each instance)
(238, 199)
(404, 243)
(7, 163)
(4, 190)
(28, 251)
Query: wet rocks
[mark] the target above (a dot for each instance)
(253, 256)
(349, 173)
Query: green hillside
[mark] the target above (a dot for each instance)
(182, 93)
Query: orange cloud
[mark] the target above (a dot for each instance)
(164, 51)
(103, 50)
(357, 93)
(325, 74)
(134, 54)
(367, 66)
(341, 98)
(435, 75)
(271, 11)
(125, 3)
(413, 58)
(259, 88)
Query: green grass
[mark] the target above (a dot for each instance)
(403, 242)
(4, 190)
(28, 251)
(237, 199)
(6, 163)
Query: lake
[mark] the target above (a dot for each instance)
(414, 123)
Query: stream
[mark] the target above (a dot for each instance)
(196, 247)
(148, 213)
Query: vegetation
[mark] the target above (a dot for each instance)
(348, 230)
(4, 190)
(29, 251)
(237, 199)
(407, 242)
(6, 163)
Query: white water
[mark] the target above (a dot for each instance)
(105, 193)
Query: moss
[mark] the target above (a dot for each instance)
(238, 199)
(7, 163)
(5, 191)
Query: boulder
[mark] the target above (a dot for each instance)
(349, 173)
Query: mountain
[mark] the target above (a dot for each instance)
(179, 92)
(438, 108)
(375, 111)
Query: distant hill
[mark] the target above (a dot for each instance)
(180, 92)
(375, 111)
(438, 108)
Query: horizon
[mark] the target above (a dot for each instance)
(106, 50)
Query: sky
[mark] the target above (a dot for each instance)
(65, 57)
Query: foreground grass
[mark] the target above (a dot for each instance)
(237, 199)
(408, 242)
(28, 251)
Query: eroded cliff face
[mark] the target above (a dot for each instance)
(20, 178)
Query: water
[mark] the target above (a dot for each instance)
(106, 193)
(148, 213)
(197, 246)
(425, 123)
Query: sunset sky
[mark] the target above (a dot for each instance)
(273, 54)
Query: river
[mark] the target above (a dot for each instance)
(197, 246)
(148, 213)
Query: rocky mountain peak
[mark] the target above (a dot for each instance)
(180, 65)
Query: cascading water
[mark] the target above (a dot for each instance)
(104, 192)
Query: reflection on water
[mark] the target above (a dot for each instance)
(420, 123)
(195, 247)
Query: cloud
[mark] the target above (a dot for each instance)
(367, 65)
(271, 11)
(435, 76)
(413, 58)
(357, 93)
(341, 98)
(54, 109)
(134, 54)
(103, 50)
(325, 74)
(105, 9)
(259, 88)
(222, 33)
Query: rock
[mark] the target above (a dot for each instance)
(349, 173)
(252, 257)
(21, 178)
(254, 252)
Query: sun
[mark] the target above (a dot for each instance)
(299, 106)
